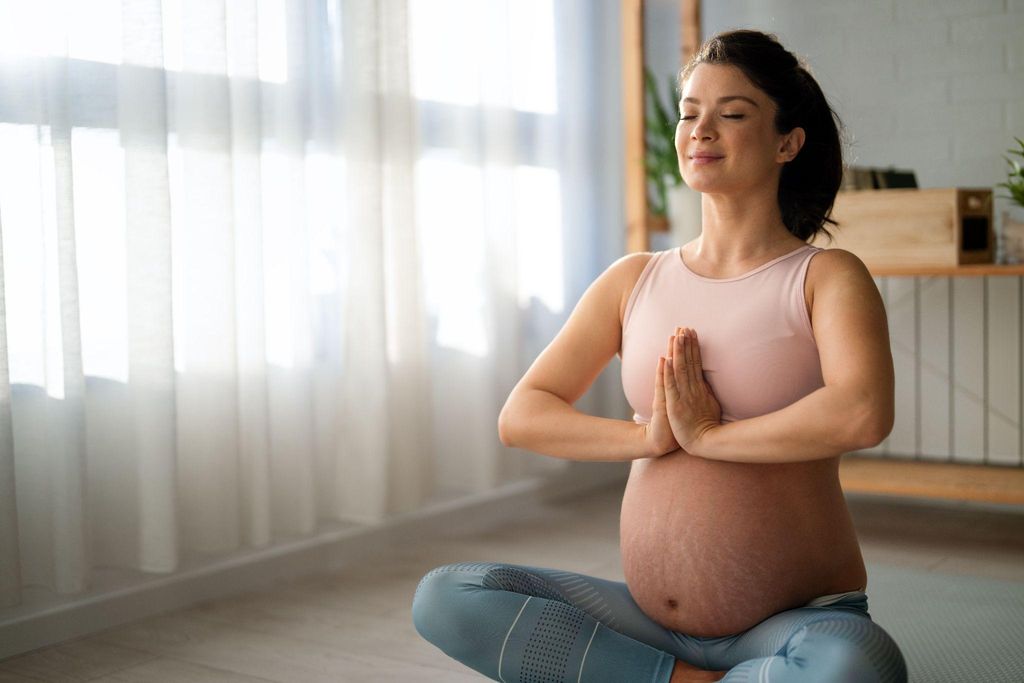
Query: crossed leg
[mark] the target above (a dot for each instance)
(809, 644)
(516, 623)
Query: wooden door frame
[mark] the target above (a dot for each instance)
(638, 217)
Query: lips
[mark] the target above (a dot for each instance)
(702, 158)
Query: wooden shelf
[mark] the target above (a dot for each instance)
(923, 479)
(972, 269)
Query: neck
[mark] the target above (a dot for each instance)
(737, 230)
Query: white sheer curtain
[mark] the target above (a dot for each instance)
(269, 266)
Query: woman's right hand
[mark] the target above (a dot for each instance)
(658, 432)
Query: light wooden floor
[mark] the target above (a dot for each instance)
(355, 625)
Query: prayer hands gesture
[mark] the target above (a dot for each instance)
(684, 405)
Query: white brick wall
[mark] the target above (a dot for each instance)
(932, 85)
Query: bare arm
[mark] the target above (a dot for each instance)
(856, 407)
(539, 415)
(546, 424)
(801, 431)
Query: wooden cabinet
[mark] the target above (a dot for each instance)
(909, 228)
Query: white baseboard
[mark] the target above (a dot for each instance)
(252, 570)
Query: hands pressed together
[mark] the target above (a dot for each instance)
(685, 407)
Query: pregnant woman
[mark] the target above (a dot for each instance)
(752, 360)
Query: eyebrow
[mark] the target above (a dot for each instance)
(727, 98)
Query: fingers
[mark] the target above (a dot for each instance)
(680, 364)
(698, 363)
(693, 374)
(659, 382)
(688, 365)
(682, 368)
(659, 378)
(683, 375)
(668, 374)
(678, 361)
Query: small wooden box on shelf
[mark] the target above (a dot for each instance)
(914, 228)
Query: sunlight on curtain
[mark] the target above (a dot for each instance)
(272, 41)
(98, 171)
(439, 68)
(270, 268)
(450, 213)
(29, 30)
(24, 252)
(532, 42)
(441, 71)
(94, 28)
(538, 221)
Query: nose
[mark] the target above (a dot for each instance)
(702, 129)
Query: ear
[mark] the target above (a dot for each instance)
(791, 145)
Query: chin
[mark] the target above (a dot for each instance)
(697, 185)
(708, 182)
(704, 185)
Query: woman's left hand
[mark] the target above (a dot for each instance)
(691, 404)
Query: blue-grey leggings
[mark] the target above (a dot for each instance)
(520, 624)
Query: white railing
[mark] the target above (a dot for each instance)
(957, 345)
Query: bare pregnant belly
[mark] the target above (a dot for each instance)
(712, 548)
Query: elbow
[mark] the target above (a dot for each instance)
(511, 419)
(876, 425)
(505, 427)
(516, 426)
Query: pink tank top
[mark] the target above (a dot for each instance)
(756, 341)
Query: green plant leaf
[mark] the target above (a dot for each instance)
(1015, 175)
(660, 149)
(657, 109)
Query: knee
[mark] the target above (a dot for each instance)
(850, 649)
(435, 603)
(428, 599)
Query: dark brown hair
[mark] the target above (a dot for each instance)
(809, 183)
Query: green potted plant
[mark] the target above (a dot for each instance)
(660, 160)
(671, 197)
(1013, 216)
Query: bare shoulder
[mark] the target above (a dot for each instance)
(831, 262)
(835, 266)
(627, 272)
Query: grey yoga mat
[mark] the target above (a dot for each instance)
(950, 628)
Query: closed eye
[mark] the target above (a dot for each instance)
(724, 116)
